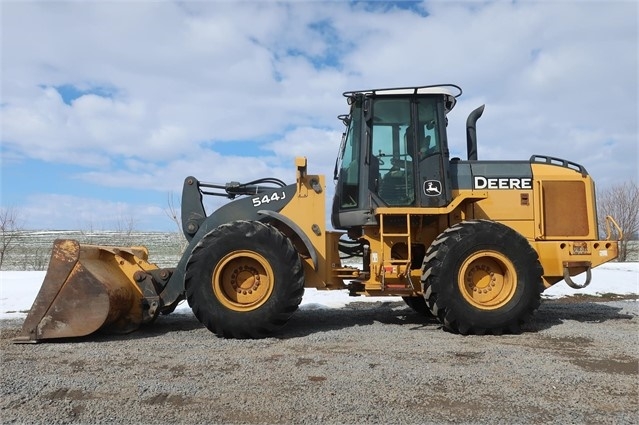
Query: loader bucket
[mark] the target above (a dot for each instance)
(89, 288)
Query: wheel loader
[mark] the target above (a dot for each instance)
(473, 243)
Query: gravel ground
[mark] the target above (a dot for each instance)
(366, 363)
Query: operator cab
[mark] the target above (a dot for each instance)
(394, 152)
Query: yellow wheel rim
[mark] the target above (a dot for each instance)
(243, 280)
(487, 280)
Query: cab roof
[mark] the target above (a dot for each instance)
(450, 91)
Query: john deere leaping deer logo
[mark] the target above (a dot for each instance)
(432, 188)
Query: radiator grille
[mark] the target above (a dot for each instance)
(565, 208)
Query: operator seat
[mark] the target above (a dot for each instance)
(396, 188)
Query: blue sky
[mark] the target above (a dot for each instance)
(106, 106)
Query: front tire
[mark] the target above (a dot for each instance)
(244, 280)
(482, 277)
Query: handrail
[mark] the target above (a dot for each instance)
(551, 160)
(609, 220)
(429, 89)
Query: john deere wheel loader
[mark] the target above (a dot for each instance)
(473, 243)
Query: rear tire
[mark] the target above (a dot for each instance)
(482, 277)
(244, 280)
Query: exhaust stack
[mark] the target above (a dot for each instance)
(471, 132)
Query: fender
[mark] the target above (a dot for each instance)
(296, 229)
(196, 225)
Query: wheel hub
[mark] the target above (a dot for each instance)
(480, 278)
(242, 280)
(245, 280)
(487, 280)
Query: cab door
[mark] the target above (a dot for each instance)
(432, 155)
(392, 151)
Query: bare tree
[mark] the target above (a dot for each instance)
(172, 212)
(10, 229)
(622, 203)
(36, 258)
(125, 227)
(126, 224)
(86, 230)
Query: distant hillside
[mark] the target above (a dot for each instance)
(32, 249)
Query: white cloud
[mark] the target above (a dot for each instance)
(60, 212)
(320, 146)
(558, 79)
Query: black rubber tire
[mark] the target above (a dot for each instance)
(418, 304)
(464, 257)
(232, 250)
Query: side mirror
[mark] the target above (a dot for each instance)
(346, 119)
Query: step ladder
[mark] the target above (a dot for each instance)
(395, 269)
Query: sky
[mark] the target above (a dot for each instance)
(106, 106)
(18, 289)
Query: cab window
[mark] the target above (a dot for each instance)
(349, 166)
(427, 137)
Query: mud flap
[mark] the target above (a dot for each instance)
(89, 288)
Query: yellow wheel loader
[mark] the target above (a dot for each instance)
(473, 243)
